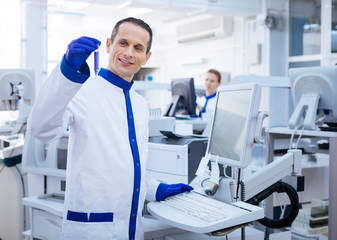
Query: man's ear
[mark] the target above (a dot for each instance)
(148, 55)
(108, 45)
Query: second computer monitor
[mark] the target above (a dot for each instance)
(314, 91)
(234, 124)
(183, 98)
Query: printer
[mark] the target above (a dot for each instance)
(175, 159)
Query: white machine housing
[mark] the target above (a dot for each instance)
(175, 160)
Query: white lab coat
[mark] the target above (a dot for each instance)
(100, 166)
(210, 107)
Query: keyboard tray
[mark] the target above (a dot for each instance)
(244, 213)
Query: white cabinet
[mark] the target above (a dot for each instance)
(312, 33)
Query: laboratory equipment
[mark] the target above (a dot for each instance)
(11, 149)
(96, 60)
(173, 160)
(195, 212)
(313, 89)
(237, 125)
(17, 92)
(234, 127)
(183, 98)
(158, 123)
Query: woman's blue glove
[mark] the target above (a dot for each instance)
(165, 190)
(79, 50)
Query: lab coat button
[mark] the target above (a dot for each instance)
(137, 189)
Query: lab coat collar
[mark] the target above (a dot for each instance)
(115, 80)
(210, 96)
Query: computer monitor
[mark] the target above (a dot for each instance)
(183, 98)
(15, 82)
(314, 92)
(234, 124)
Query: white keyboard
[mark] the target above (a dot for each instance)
(198, 213)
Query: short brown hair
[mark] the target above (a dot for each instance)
(137, 22)
(216, 72)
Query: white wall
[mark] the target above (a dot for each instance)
(10, 34)
(222, 53)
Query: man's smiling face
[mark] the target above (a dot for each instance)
(128, 50)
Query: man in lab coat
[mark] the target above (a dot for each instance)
(108, 135)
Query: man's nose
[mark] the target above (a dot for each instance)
(129, 51)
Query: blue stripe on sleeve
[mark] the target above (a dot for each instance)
(72, 74)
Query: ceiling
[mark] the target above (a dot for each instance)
(160, 10)
(118, 8)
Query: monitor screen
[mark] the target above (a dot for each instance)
(183, 98)
(234, 123)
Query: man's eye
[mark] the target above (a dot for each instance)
(123, 43)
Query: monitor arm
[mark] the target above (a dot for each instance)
(289, 164)
(307, 107)
(261, 184)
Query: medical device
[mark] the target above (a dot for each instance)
(234, 125)
(172, 160)
(17, 92)
(183, 98)
(314, 89)
(237, 125)
(96, 61)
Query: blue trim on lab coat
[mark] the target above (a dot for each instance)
(121, 83)
(137, 170)
(207, 98)
(72, 74)
(115, 80)
(93, 217)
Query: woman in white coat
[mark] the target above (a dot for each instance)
(206, 103)
(106, 182)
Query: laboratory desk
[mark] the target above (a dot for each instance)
(281, 133)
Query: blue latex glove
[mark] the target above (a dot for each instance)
(165, 190)
(79, 50)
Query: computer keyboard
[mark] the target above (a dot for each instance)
(201, 208)
(195, 212)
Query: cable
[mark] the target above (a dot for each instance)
(282, 206)
(23, 195)
(299, 137)
(2, 168)
(294, 203)
(10, 155)
(238, 185)
(292, 137)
